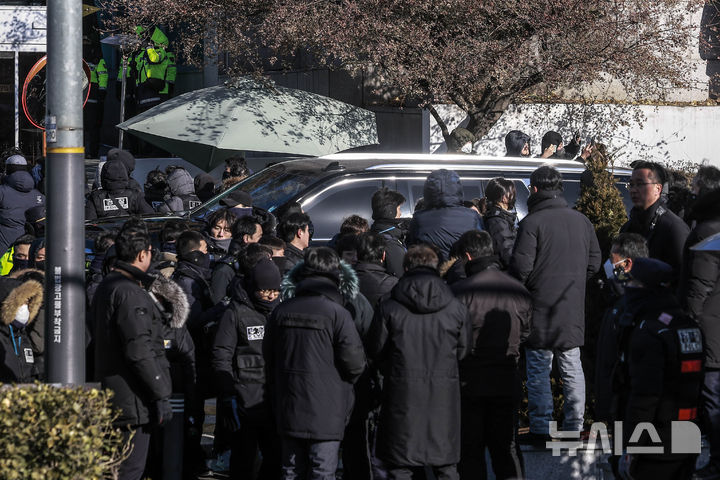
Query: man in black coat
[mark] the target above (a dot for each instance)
(700, 295)
(128, 161)
(294, 230)
(388, 224)
(664, 231)
(443, 218)
(417, 337)
(375, 281)
(17, 195)
(499, 309)
(129, 350)
(115, 198)
(556, 251)
(614, 329)
(313, 355)
(239, 372)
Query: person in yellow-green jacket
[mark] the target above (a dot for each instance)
(94, 108)
(156, 72)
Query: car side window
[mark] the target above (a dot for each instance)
(328, 209)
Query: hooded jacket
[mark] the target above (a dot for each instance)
(499, 310)
(182, 189)
(115, 198)
(177, 342)
(417, 337)
(313, 355)
(17, 195)
(444, 218)
(555, 265)
(16, 349)
(128, 160)
(700, 279)
(130, 357)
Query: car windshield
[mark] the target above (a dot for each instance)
(269, 188)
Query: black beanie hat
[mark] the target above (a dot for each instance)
(265, 275)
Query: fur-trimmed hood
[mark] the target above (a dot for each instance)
(445, 266)
(349, 284)
(17, 294)
(173, 300)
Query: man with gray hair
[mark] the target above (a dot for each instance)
(556, 251)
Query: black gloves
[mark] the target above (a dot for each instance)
(163, 412)
(228, 413)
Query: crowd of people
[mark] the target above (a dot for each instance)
(399, 347)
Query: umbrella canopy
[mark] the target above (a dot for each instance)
(206, 126)
(710, 244)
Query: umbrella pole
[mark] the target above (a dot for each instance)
(123, 91)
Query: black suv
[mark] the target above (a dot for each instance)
(333, 187)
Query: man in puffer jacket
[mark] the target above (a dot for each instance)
(356, 443)
(115, 199)
(17, 195)
(313, 355)
(21, 302)
(444, 218)
(182, 189)
(239, 372)
(128, 161)
(417, 337)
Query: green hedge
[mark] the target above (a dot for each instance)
(49, 432)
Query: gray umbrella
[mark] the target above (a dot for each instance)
(206, 126)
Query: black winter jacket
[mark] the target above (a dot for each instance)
(500, 224)
(444, 218)
(293, 256)
(499, 310)
(116, 198)
(664, 231)
(179, 347)
(17, 195)
(700, 279)
(313, 355)
(417, 337)
(393, 231)
(556, 251)
(375, 282)
(129, 353)
(17, 351)
(236, 358)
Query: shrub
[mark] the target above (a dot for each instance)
(49, 432)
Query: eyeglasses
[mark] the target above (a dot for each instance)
(630, 185)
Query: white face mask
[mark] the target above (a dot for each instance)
(22, 315)
(610, 268)
(467, 148)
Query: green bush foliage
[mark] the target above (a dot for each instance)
(49, 432)
(601, 201)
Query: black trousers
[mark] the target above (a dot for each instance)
(356, 457)
(257, 432)
(132, 468)
(444, 472)
(489, 422)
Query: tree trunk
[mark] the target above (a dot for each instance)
(483, 119)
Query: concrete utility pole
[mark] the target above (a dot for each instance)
(65, 166)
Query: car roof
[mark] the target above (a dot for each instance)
(420, 162)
